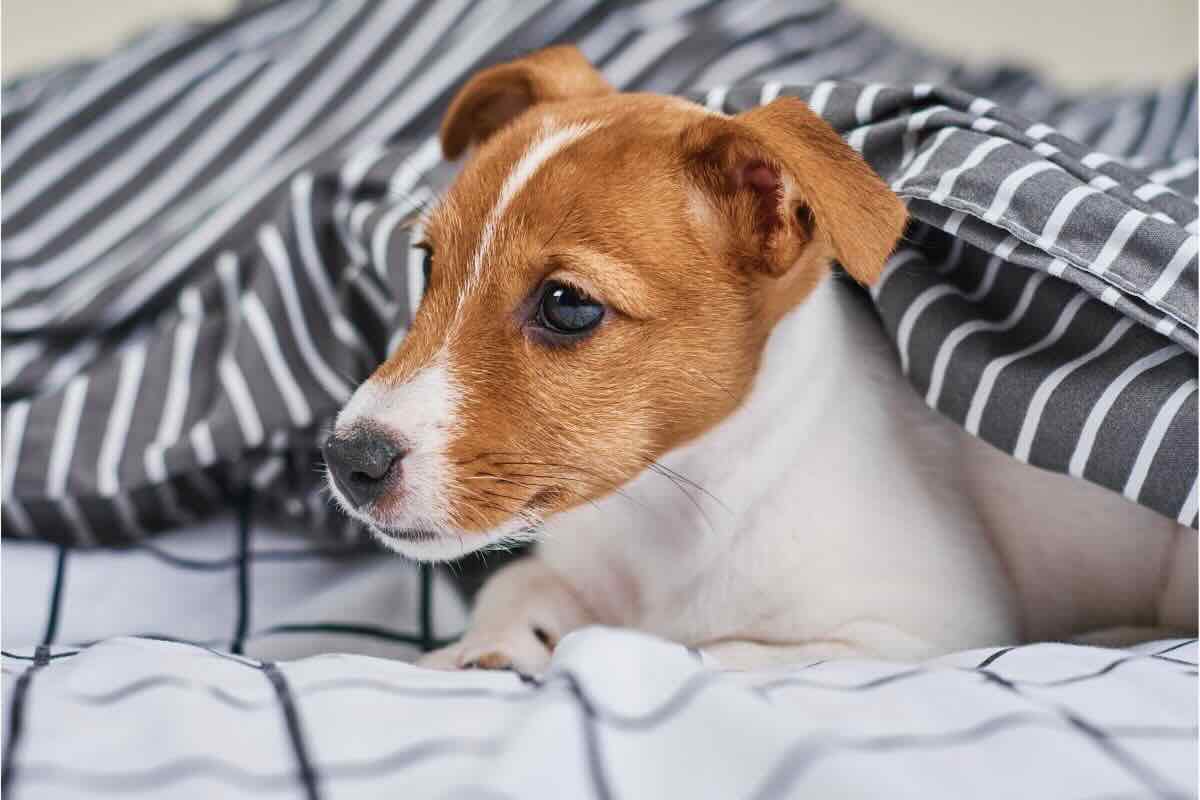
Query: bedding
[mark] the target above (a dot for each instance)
(268, 664)
(207, 242)
(617, 714)
(225, 250)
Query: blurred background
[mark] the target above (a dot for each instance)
(1125, 43)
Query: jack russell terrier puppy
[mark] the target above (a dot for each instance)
(631, 348)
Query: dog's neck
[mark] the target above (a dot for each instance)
(692, 507)
(798, 373)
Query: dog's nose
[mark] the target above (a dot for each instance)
(361, 463)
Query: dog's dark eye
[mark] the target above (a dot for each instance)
(426, 263)
(565, 309)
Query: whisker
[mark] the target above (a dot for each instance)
(505, 496)
(656, 464)
(560, 487)
(678, 480)
(501, 479)
(686, 494)
(722, 387)
(606, 486)
(475, 495)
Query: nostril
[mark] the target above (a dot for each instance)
(377, 457)
(361, 463)
(362, 476)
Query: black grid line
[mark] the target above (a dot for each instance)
(591, 739)
(1102, 741)
(808, 751)
(50, 657)
(1175, 647)
(291, 715)
(56, 596)
(1102, 671)
(991, 659)
(1180, 661)
(16, 719)
(244, 529)
(352, 629)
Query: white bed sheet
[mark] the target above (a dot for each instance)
(324, 705)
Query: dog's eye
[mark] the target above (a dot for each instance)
(426, 264)
(565, 309)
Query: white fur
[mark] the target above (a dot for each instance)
(848, 518)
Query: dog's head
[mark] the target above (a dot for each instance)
(603, 276)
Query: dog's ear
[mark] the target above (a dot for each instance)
(793, 190)
(498, 95)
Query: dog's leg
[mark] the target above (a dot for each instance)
(1177, 599)
(857, 640)
(519, 616)
(1175, 606)
(1129, 635)
(738, 655)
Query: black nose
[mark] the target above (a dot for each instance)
(361, 463)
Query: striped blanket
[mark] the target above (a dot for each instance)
(205, 240)
(206, 244)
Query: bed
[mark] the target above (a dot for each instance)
(183, 613)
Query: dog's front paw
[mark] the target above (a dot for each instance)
(520, 650)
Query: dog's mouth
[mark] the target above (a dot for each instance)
(423, 514)
(424, 544)
(426, 536)
(408, 534)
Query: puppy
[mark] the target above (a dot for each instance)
(631, 349)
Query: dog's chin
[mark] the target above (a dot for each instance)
(423, 538)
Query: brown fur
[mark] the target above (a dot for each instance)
(698, 232)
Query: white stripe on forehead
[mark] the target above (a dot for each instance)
(549, 141)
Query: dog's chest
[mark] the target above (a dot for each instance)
(682, 570)
(723, 537)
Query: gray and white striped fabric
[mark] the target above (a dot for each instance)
(205, 240)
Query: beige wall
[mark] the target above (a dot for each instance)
(34, 33)
(1080, 43)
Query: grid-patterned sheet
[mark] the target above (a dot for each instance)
(287, 678)
(617, 715)
(251, 589)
